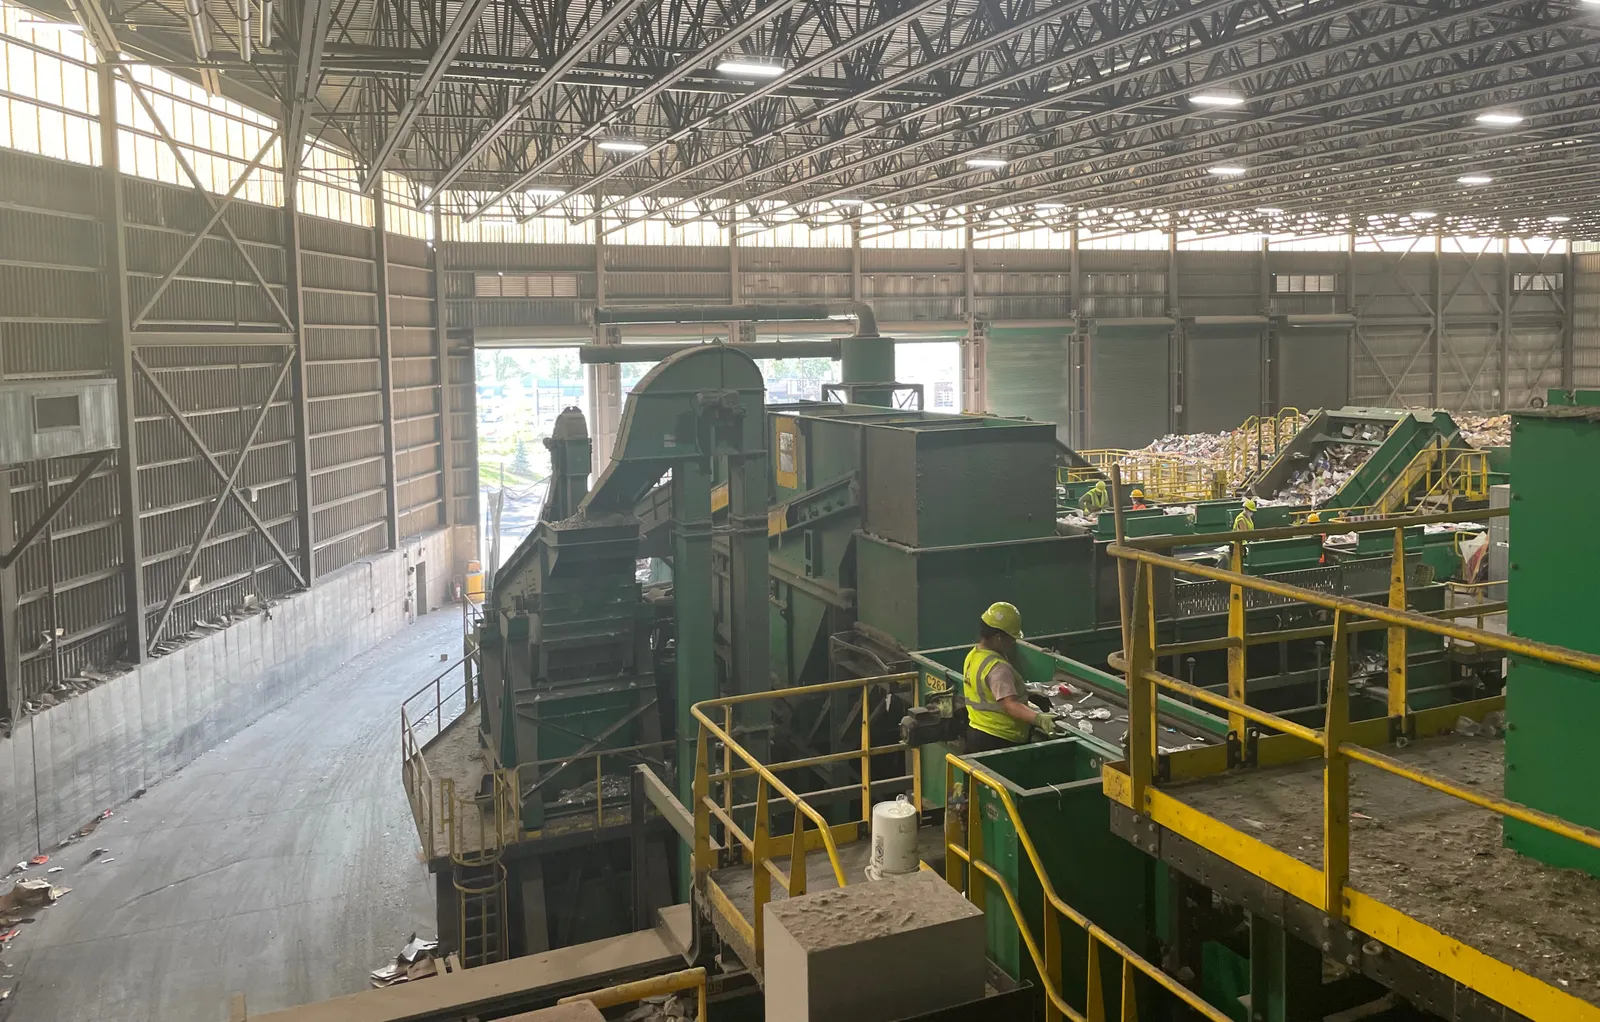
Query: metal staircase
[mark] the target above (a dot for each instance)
(1437, 478)
(478, 827)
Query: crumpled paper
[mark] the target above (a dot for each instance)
(1484, 430)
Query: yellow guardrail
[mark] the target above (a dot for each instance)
(1257, 441)
(1046, 954)
(1437, 472)
(1134, 783)
(627, 993)
(1163, 477)
(424, 715)
(714, 802)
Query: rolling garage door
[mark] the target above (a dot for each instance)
(1314, 362)
(1130, 369)
(1222, 377)
(1027, 373)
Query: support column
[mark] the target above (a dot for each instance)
(975, 347)
(305, 533)
(10, 648)
(696, 661)
(604, 380)
(1569, 374)
(1285, 975)
(1177, 414)
(855, 259)
(441, 359)
(120, 349)
(1436, 355)
(748, 585)
(1350, 306)
(380, 280)
(1505, 325)
(1269, 337)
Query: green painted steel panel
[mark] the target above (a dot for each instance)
(932, 597)
(1027, 373)
(1222, 377)
(958, 481)
(1056, 789)
(1129, 380)
(1550, 710)
(1313, 368)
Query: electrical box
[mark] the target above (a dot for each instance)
(56, 418)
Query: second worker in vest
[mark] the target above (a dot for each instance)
(998, 714)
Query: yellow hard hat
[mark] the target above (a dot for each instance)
(1249, 505)
(1005, 617)
(1137, 494)
(1313, 518)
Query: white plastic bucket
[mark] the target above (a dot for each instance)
(894, 839)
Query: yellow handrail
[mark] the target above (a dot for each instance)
(626, 993)
(761, 846)
(1048, 959)
(1142, 653)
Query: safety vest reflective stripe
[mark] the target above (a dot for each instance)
(984, 713)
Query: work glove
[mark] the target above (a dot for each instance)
(1045, 722)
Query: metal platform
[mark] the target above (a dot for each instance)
(1438, 859)
(734, 886)
(519, 984)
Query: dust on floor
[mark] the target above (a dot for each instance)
(1432, 856)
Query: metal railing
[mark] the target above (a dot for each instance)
(1441, 473)
(715, 807)
(961, 860)
(579, 765)
(424, 715)
(1257, 441)
(1162, 477)
(1136, 784)
(627, 993)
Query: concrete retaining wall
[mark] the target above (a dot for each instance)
(66, 764)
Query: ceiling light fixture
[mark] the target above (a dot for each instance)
(1474, 179)
(1499, 119)
(1269, 210)
(750, 68)
(1216, 99)
(1049, 207)
(1226, 170)
(621, 145)
(1423, 215)
(1564, 219)
(848, 201)
(986, 162)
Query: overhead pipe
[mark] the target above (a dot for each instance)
(197, 30)
(607, 354)
(244, 30)
(861, 312)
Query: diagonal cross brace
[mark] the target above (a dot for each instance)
(216, 466)
(222, 499)
(194, 242)
(24, 541)
(205, 196)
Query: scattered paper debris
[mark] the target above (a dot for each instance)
(9, 934)
(416, 960)
(55, 869)
(1484, 430)
(39, 860)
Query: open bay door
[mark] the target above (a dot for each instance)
(1027, 373)
(1313, 361)
(1224, 360)
(1130, 381)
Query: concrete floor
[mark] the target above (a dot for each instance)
(282, 864)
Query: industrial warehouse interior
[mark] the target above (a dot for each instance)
(805, 510)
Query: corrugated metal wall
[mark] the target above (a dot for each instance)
(72, 583)
(1586, 320)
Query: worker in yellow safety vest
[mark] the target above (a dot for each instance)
(1094, 499)
(998, 714)
(1245, 520)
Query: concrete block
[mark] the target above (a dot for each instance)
(873, 952)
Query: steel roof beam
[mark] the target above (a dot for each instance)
(461, 27)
